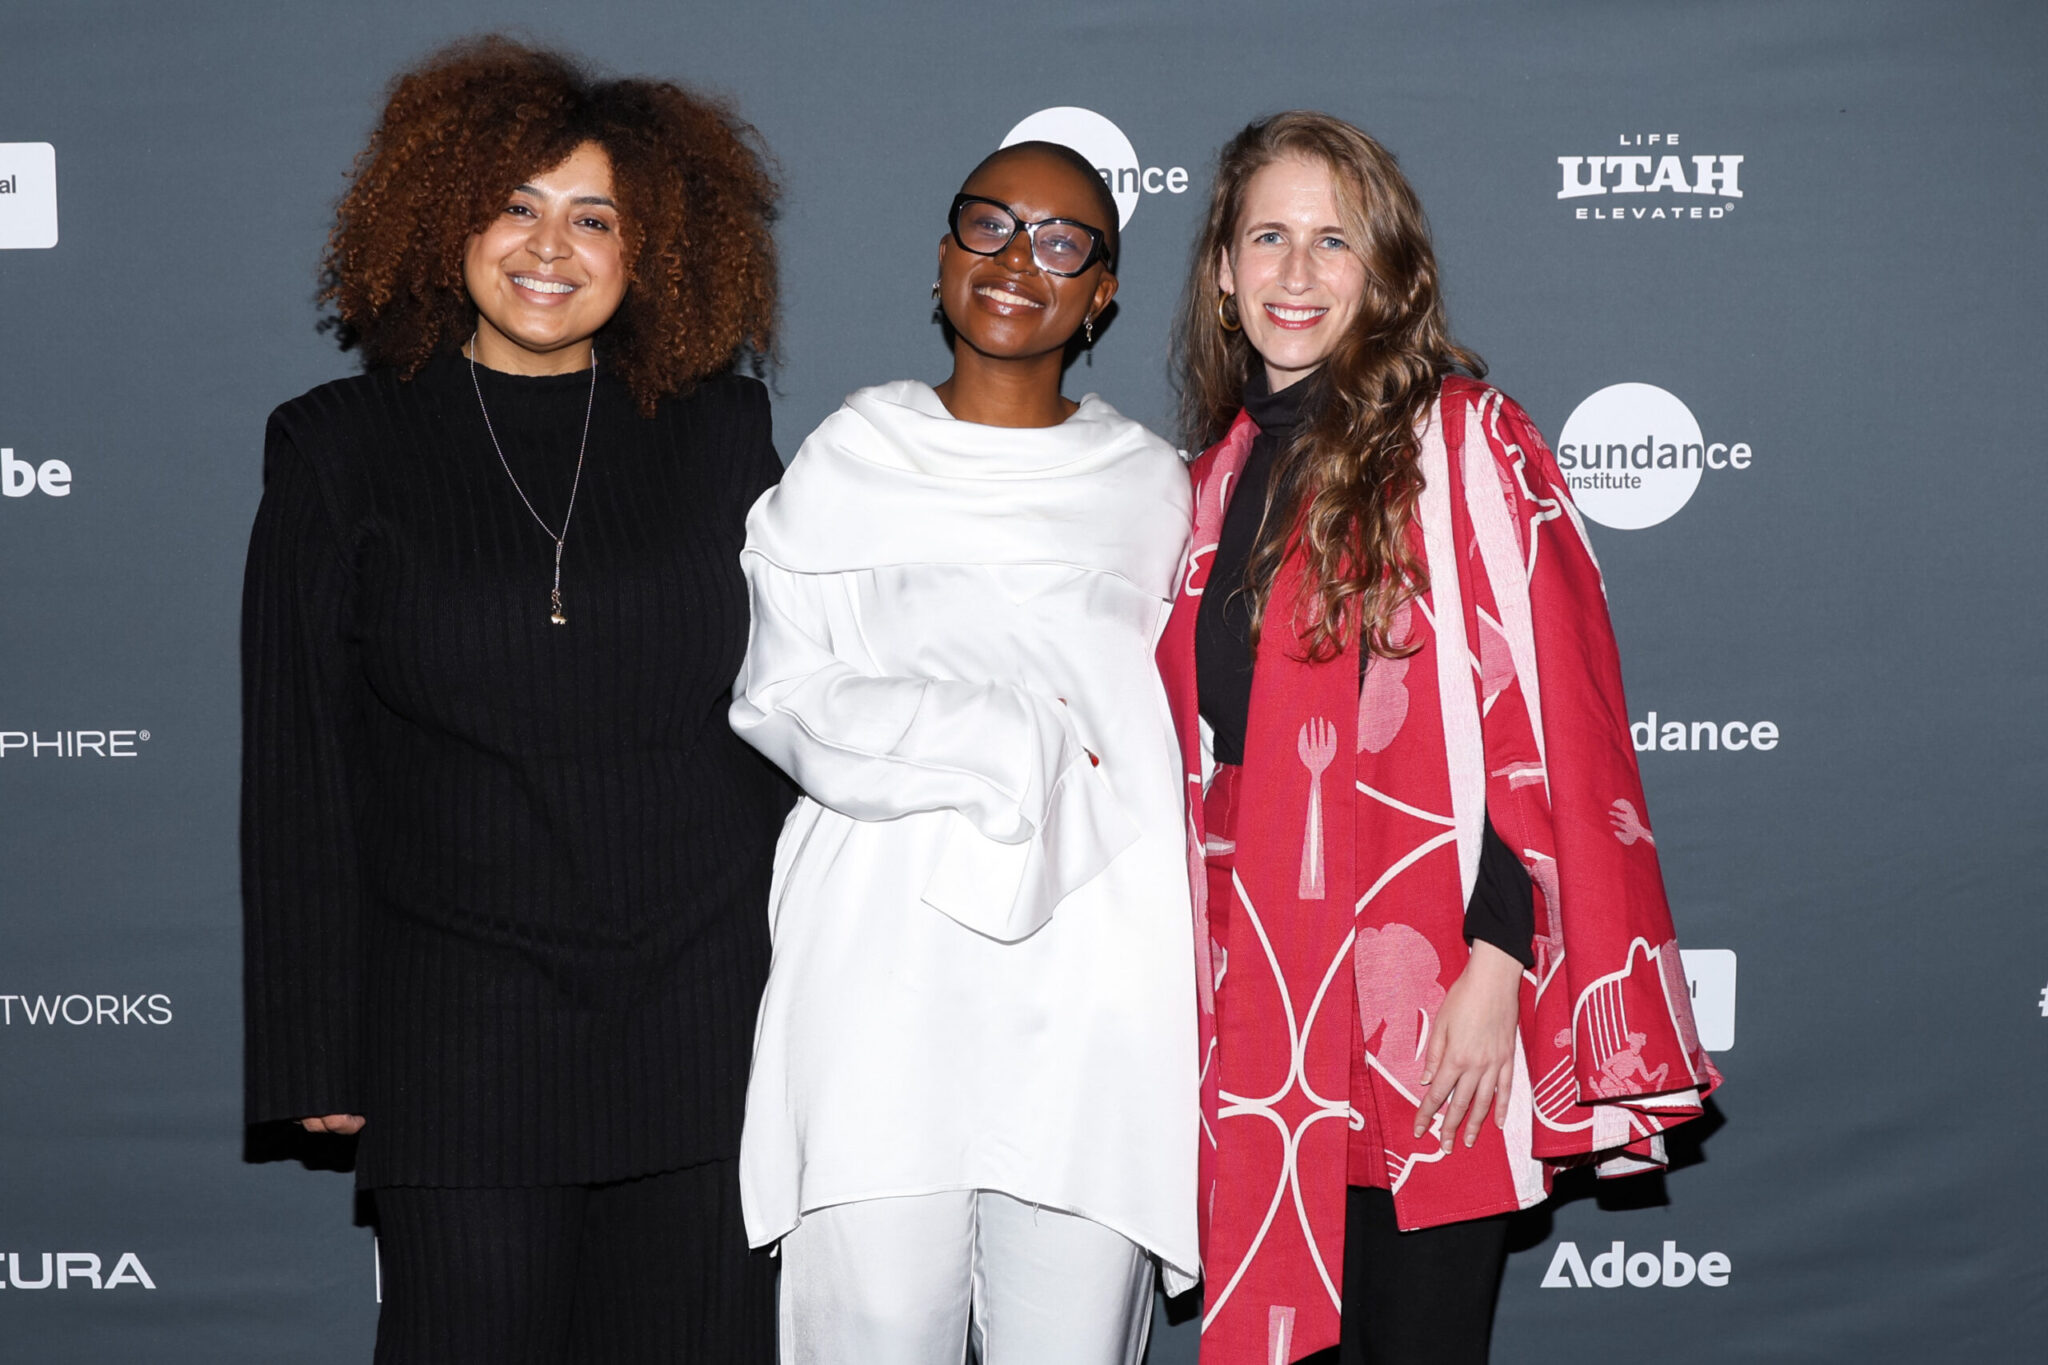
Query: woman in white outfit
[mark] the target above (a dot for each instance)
(973, 1109)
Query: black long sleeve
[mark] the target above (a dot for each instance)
(505, 882)
(1502, 908)
(300, 722)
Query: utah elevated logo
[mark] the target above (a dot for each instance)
(1648, 172)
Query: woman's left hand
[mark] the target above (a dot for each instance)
(1469, 1065)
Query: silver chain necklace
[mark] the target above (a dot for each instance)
(561, 536)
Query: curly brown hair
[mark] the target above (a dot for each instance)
(1351, 472)
(473, 121)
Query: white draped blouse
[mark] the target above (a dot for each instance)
(983, 970)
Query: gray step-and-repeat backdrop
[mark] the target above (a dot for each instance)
(1801, 237)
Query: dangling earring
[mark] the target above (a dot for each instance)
(1224, 319)
(1088, 329)
(935, 291)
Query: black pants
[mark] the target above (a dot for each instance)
(649, 1270)
(1416, 1298)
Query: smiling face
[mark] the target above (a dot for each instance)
(1003, 306)
(1298, 277)
(549, 269)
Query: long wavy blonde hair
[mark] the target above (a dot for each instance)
(1349, 477)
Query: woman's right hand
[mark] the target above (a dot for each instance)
(346, 1125)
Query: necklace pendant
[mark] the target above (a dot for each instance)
(555, 608)
(557, 618)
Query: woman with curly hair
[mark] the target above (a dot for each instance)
(503, 859)
(1425, 896)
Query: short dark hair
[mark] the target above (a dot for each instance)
(1105, 202)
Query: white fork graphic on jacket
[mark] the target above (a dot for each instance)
(1317, 746)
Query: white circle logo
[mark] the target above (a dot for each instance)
(1633, 455)
(1094, 137)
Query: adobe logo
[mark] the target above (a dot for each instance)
(19, 478)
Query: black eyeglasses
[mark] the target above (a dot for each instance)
(1059, 246)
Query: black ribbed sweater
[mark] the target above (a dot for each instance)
(505, 882)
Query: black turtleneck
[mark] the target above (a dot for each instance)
(1223, 627)
(1502, 909)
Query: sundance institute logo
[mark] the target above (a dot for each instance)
(1107, 150)
(1634, 454)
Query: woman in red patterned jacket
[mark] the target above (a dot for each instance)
(1437, 958)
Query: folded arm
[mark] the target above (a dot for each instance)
(1032, 820)
(878, 747)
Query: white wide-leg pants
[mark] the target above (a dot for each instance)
(904, 1281)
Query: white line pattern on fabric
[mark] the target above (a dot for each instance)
(1403, 806)
(1240, 1106)
(1493, 527)
(1407, 861)
(1464, 745)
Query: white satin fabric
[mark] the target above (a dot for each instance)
(983, 975)
(912, 1281)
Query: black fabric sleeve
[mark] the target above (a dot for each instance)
(300, 894)
(762, 470)
(1503, 906)
(763, 464)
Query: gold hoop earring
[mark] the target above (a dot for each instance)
(1224, 319)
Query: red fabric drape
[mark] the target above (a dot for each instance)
(1334, 927)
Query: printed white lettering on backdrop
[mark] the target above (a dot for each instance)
(1107, 150)
(1634, 455)
(1653, 734)
(72, 1270)
(19, 477)
(39, 1011)
(1616, 1266)
(28, 195)
(1650, 165)
(19, 744)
